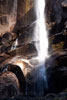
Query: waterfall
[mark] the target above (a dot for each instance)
(40, 31)
(41, 38)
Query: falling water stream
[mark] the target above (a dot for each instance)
(41, 38)
(40, 31)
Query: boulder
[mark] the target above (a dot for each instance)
(9, 85)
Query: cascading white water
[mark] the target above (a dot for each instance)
(41, 38)
(40, 31)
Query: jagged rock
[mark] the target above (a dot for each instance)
(57, 75)
(9, 85)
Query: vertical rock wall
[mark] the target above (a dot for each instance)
(15, 11)
(25, 13)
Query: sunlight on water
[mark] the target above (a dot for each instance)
(40, 31)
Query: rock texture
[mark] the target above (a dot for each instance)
(60, 96)
(57, 29)
(16, 14)
(16, 11)
(8, 15)
(17, 22)
(16, 38)
(9, 85)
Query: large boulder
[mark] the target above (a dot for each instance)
(9, 85)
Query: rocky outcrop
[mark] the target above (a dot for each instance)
(16, 35)
(57, 26)
(15, 13)
(9, 85)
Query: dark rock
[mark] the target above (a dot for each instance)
(57, 14)
(5, 48)
(9, 85)
(24, 38)
(3, 58)
(20, 76)
(56, 65)
(50, 97)
(61, 96)
(56, 76)
(7, 37)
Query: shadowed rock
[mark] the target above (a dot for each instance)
(61, 96)
(28, 51)
(9, 85)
